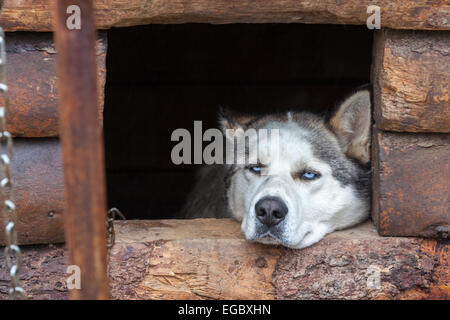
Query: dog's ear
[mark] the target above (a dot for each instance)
(351, 123)
(229, 119)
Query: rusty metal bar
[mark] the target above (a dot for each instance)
(82, 146)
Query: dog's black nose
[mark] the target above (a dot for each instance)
(270, 210)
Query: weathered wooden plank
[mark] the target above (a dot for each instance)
(209, 258)
(39, 191)
(35, 15)
(346, 265)
(411, 190)
(411, 76)
(82, 147)
(32, 83)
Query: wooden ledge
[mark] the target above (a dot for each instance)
(36, 15)
(144, 231)
(210, 259)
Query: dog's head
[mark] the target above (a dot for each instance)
(307, 180)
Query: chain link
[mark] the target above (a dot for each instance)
(13, 255)
(111, 235)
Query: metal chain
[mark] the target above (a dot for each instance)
(111, 235)
(13, 255)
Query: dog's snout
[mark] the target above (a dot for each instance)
(270, 210)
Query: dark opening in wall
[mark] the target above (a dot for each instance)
(163, 77)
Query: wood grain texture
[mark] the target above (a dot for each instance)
(411, 76)
(345, 265)
(411, 191)
(32, 83)
(82, 146)
(199, 259)
(35, 15)
(39, 191)
(210, 259)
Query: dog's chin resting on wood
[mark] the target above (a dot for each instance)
(315, 180)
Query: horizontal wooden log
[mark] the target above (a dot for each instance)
(38, 188)
(31, 76)
(411, 76)
(36, 15)
(411, 190)
(210, 259)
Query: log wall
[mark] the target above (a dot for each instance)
(33, 120)
(411, 139)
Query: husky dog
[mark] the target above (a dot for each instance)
(318, 183)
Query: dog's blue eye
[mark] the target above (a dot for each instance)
(256, 169)
(308, 175)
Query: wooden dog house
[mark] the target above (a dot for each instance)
(137, 64)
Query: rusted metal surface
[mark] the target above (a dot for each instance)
(209, 258)
(411, 190)
(32, 83)
(411, 76)
(39, 191)
(35, 15)
(82, 146)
